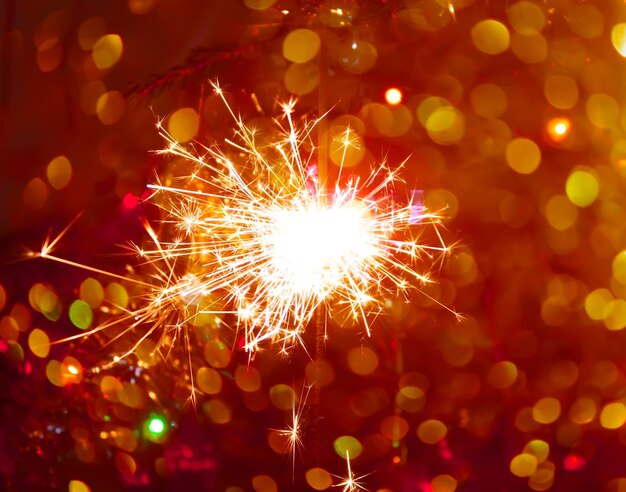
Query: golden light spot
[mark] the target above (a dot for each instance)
(488, 100)
(209, 380)
(217, 353)
(616, 318)
(39, 343)
(116, 295)
(393, 96)
(59, 172)
(89, 95)
(107, 51)
(35, 194)
(491, 37)
(618, 38)
(502, 375)
(394, 427)
(283, 397)
(264, 483)
(538, 448)
(302, 78)
(248, 378)
(547, 410)
(561, 213)
(523, 465)
(318, 478)
(357, 57)
(443, 483)
(523, 155)
(583, 411)
(561, 91)
(259, 4)
(362, 360)
(346, 147)
(529, 48)
(619, 267)
(183, 124)
(78, 486)
(432, 431)
(91, 292)
(217, 411)
(613, 415)
(602, 110)
(110, 107)
(526, 17)
(140, 7)
(110, 387)
(586, 20)
(301, 45)
(582, 188)
(446, 125)
(125, 463)
(598, 304)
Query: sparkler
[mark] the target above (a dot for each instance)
(252, 233)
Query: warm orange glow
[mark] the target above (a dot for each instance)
(393, 96)
(559, 128)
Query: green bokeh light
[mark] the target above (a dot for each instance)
(156, 426)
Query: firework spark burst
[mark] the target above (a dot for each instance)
(253, 234)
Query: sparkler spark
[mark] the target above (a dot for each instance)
(252, 233)
(351, 483)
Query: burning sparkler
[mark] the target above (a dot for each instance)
(252, 233)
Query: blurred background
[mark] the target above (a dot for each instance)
(510, 117)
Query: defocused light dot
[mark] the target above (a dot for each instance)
(529, 48)
(585, 20)
(3, 297)
(582, 188)
(583, 411)
(110, 107)
(546, 410)
(561, 91)
(446, 125)
(302, 78)
(523, 465)
(59, 172)
(91, 292)
(357, 57)
(502, 375)
(348, 445)
(259, 4)
(140, 7)
(602, 110)
(443, 483)
(90, 31)
(613, 415)
(318, 478)
(301, 45)
(116, 294)
(362, 360)
(282, 396)
(394, 427)
(39, 343)
(264, 483)
(78, 486)
(523, 155)
(393, 96)
(35, 193)
(538, 448)
(107, 51)
(488, 100)
(431, 431)
(217, 353)
(183, 124)
(80, 314)
(561, 213)
(209, 380)
(616, 318)
(248, 378)
(619, 267)
(598, 304)
(526, 17)
(490, 37)
(618, 38)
